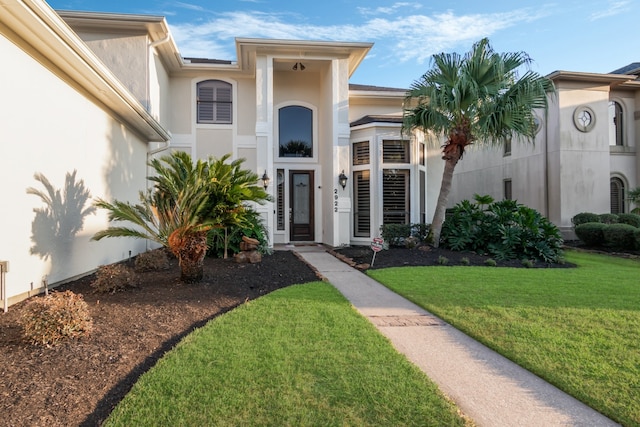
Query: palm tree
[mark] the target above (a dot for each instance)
(182, 207)
(634, 197)
(475, 98)
(231, 188)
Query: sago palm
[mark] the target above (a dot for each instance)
(475, 98)
(231, 188)
(171, 214)
(187, 200)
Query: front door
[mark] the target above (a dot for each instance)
(301, 206)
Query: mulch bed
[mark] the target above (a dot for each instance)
(361, 257)
(79, 382)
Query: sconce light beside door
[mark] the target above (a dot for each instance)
(265, 180)
(342, 179)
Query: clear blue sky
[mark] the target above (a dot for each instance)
(589, 35)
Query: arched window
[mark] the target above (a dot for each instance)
(616, 124)
(617, 196)
(295, 125)
(214, 100)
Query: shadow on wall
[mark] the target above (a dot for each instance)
(123, 164)
(56, 224)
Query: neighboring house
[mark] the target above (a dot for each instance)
(585, 157)
(99, 94)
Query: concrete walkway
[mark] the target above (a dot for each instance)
(488, 388)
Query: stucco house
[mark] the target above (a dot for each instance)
(88, 98)
(584, 157)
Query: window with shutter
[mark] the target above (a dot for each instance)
(395, 196)
(617, 196)
(395, 151)
(361, 153)
(362, 204)
(280, 199)
(215, 102)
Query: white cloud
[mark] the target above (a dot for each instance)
(399, 38)
(389, 9)
(614, 8)
(189, 6)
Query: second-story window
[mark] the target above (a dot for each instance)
(214, 100)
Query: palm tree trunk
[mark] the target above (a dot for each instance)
(443, 197)
(191, 252)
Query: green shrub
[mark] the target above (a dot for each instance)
(465, 261)
(411, 242)
(398, 234)
(490, 262)
(584, 217)
(505, 230)
(156, 259)
(421, 231)
(608, 218)
(443, 260)
(59, 315)
(113, 278)
(252, 227)
(636, 238)
(629, 218)
(395, 234)
(591, 233)
(619, 236)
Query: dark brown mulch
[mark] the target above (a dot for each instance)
(79, 382)
(362, 256)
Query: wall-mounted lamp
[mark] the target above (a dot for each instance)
(342, 179)
(298, 66)
(265, 180)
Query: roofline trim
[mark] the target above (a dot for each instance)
(45, 31)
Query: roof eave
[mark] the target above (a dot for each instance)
(38, 25)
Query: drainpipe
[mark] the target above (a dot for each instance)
(167, 144)
(4, 267)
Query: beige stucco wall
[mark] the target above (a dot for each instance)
(566, 171)
(126, 56)
(72, 134)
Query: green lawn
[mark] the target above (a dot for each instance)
(577, 328)
(301, 356)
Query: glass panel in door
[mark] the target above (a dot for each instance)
(301, 217)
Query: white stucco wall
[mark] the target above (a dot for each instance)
(49, 127)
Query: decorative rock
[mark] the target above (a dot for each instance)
(244, 246)
(248, 252)
(250, 240)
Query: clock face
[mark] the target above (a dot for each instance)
(584, 118)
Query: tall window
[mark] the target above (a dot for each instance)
(617, 196)
(508, 195)
(616, 124)
(214, 100)
(423, 197)
(280, 198)
(295, 125)
(395, 196)
(507, 147)
(362, 203)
